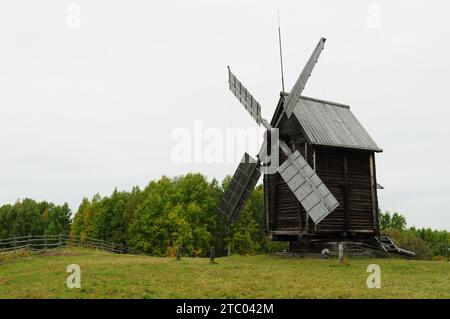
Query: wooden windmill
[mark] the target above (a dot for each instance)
(325, 189)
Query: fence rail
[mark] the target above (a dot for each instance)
(44, 243)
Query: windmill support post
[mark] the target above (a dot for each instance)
(341, 252)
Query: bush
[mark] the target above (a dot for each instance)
(438, 258)
(407, 240)
(271, 246)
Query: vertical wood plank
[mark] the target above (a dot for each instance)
(373, 180)
(341, 252)
(346, 197)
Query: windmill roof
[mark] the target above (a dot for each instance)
(330, 124)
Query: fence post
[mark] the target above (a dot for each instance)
(229, 250)
(14, 243)
(178, 252)
(102, 248)
(29, 242)
(213, 254)
(59, 242)
(341, 252)
(45, 242)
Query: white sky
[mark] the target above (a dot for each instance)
(87, 109)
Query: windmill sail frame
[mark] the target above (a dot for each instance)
(243, 95)
(300, 84)
(240, 188)
(307, 187)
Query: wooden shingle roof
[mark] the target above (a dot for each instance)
(330, 124)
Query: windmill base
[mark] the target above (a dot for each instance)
(322, 249)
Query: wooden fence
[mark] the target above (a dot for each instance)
(44, 243)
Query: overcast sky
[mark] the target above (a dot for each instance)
(92, 91)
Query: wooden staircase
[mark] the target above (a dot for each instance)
(388, 245)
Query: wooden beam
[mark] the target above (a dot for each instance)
(373, 181)
(275, 201)
(306, 213)
(346, 197)
(314, 159)
(266, 200)
(287, 232)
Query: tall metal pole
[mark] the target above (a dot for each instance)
(281, 52)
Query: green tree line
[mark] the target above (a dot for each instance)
(29, 217)
(180, 211)
(174, 212)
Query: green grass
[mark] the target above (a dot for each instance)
(125, 276)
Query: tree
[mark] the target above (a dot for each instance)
(176, 212)
(396, 221)
(28, 217)
(148, 231)
(247, 233)
(58, 220)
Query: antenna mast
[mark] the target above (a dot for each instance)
(281, 53)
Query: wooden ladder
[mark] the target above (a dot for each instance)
(388, 245)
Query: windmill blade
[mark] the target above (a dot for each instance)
(309, 189)
(240, 188)
(243, 95)
(297, 90)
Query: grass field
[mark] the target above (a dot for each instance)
(126, 276)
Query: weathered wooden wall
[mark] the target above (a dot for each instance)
(285, 214)
(330, 166)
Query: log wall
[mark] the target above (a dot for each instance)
(285, 214)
